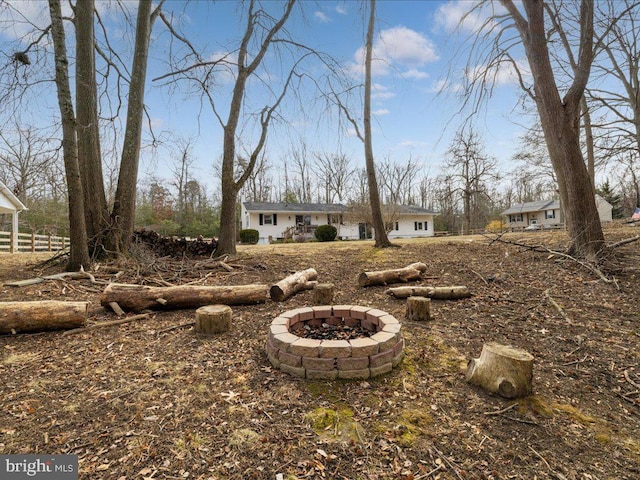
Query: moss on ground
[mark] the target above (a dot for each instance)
(336, 425)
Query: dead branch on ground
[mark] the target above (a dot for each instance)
(542, 249)
(111, 323)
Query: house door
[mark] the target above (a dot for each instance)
(303, 220)
(364, 231)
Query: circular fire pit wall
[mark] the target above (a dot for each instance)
(357, 358)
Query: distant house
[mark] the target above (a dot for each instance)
(605, 209)
(547, 213)
(277, 221)
(10, 204)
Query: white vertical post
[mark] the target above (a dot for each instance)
(14, 232)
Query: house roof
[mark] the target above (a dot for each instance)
(413, 210)
(9, 203)
(538, 206)
(323, 208)
(294, 207)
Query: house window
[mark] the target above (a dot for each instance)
(397, 226)
(515, 218)
(334, 218)
(417, 225)
(550, 214)
(268, 219)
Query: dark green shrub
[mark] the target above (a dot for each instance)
(326, 233)
(249, 235)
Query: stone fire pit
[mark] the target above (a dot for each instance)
(356, 358)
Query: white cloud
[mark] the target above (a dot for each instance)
(506, 73)
(351, 132)
(445, 86)
(414, 74)
(397, 47)
(156, 123)
(464, 15)
(381, 111)
(381, 92)
(405, 46)
(321, 16)
(412, 144)
(341, 9)
(24, 19)
(225, 70)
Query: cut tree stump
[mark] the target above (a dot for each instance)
(285, 288)
(418, 309)
(212, 319)
(19, 317)
(501, 369)
(136, 298)
(323, 294)
(438, 293)
(399, 275)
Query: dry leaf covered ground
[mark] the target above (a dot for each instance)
(149, 399)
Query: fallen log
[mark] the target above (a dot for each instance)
(136, 298)
(399, 275)
(285, 288)
(501, 369)
(19, 317)
(438, 293)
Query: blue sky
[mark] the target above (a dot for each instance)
(416, 49)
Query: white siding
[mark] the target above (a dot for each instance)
(252, 220)
(604, 209)
(538, 218)
(407, 226)
(287, 220)
(6, 206)
(346, 231)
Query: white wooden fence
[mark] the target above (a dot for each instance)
(32, 242)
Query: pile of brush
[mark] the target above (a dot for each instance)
(175, 247)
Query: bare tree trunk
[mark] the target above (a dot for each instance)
(560, 119)
(588, 136)
(381, 238)
(79, 253)
(467, 211)
(89, 157)
(123, 214)
(227, 238)
(231, 187)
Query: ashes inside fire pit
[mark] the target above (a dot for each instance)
(339, 341)
(332, 332)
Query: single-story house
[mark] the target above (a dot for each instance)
(277, 221)
(547, 213)
(10, 204)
